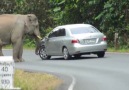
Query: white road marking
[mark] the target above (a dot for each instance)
(72, 84)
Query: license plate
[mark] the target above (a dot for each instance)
(90, 41)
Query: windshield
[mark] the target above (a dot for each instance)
(82, 30)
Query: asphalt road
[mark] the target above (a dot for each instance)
(86, 73)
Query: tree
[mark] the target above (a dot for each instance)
(109, 16)
(115, 18)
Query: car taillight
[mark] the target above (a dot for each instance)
(104, 38)
(74, 41)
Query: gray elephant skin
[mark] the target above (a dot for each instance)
(13, 28)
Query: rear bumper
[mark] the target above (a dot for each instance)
(83, 49)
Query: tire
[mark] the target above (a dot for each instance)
(101, 54)
(77, 55)
(42, 54)
(66, 54)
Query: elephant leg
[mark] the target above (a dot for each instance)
(1, 53)
(20, 53)
(16, 48)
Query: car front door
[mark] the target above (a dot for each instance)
(50, 43)
(59, 41)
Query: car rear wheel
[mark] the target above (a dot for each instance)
(42, 53)
(66, 53)
(101, 54)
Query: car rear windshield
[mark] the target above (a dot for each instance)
(82, 30)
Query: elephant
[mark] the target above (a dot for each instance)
(13, 29)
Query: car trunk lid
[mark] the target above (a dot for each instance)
(90, 38)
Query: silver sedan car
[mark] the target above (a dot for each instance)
(73, 40)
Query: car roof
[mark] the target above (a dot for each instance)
(74, 25)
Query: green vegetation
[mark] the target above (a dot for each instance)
(122, 50)
(109, 16)
(35, 81)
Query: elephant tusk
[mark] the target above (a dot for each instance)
(39, 37)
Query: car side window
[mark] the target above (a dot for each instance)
(61, 32)
(57, 33)
(53, 34)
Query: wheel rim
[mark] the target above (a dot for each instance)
(65, 53)
(43, 53)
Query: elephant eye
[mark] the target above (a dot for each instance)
(37, 26)
(31, 20)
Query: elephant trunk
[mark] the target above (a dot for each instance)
(38, 41)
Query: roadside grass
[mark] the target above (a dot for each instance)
(24, 47)
(122, 50)
(35, 81)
